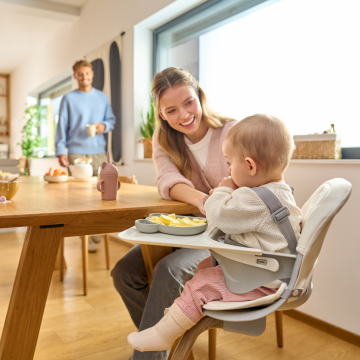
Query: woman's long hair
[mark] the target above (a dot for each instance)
(171, 140)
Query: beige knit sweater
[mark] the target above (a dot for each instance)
(243, 214)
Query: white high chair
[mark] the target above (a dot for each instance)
(246, 269)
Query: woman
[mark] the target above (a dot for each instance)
(189, 163)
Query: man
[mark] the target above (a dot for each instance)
(80, 107)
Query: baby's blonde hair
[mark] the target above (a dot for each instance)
(265, 139)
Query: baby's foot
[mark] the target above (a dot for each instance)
(163, 335)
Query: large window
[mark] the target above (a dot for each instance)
(49, 101)
(295, 59)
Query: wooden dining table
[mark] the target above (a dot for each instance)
(51, 211)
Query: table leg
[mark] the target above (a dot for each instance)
(85, 261)
(29, 294)
(152, 254)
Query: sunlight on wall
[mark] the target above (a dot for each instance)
(297, 60)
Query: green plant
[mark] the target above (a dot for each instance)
(148, 127)
(30, 138)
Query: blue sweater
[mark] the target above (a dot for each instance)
(78, 109)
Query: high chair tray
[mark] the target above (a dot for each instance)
(200, 241)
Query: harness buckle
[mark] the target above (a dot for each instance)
(281, 214)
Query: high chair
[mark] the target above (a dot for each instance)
(246, 269)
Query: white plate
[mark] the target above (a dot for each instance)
(55, 179)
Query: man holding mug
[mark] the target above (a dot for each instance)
(85, 115)
(79, 108)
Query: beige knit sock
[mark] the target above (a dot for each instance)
(163, 335)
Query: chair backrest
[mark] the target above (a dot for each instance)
(128, 179)
(318, 213)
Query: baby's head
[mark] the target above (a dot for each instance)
(258, 149)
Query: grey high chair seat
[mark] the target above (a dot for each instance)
(245, 272)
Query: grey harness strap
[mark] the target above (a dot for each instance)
(280, 214)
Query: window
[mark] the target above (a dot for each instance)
(49, 101)
(295, 59)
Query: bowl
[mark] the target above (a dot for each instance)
(56, 179)
(9, 190)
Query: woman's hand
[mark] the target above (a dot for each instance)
(185, 193)
(228, 182)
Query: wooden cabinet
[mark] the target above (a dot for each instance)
(4, 105)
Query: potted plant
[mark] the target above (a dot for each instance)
(147, 129)
(30, 134)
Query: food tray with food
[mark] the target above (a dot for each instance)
(56, 176)
(171, 224)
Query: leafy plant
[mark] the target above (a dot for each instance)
(148, 127)
(30, 138)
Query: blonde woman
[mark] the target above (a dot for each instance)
(189, 163)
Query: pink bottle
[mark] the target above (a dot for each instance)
(109, 182)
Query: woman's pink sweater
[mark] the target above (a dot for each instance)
(216, 166)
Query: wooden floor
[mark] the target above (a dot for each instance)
(95, 327)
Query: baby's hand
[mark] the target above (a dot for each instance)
(212, 190)
(228, 182)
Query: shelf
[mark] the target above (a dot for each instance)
(1, 95)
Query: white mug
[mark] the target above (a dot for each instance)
(91, 130)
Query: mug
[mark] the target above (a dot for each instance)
(91, 130)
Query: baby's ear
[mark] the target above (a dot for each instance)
(103, 165)
(252, 167)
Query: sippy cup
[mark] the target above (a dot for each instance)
(109, 182)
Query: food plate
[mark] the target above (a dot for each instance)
(56, 178)
(146, 226)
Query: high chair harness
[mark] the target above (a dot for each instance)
(279, 213)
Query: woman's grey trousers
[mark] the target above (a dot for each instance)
(146, 304)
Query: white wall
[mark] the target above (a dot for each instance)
(100, 21)
(336, 280)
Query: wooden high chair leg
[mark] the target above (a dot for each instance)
(187, 341)
(84, 248)
(173, 348)
(107, 256)
(212, 344)
(279, 328)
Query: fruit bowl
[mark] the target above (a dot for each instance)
(9, 190)
(56, 178)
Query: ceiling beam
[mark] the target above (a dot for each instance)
(41, 8)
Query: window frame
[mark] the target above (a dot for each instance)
(193, 12)
(41, 96)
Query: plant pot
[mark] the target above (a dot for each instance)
(147, 147)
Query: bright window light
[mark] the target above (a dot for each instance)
(298, 60)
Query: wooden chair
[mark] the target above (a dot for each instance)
(84, 245)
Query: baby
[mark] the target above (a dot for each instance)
(258, 150)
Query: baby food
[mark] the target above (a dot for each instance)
(172, 220)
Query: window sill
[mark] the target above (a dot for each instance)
(143, 160)
(326, 161)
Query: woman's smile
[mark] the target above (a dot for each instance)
(188, 124)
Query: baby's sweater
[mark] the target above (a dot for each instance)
(244, 215)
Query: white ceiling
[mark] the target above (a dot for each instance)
(25, 27)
